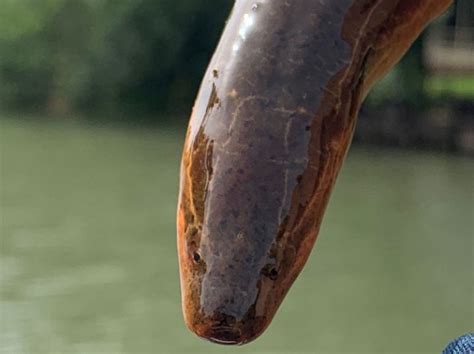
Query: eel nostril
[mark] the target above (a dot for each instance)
(270, 271)
(223, 320)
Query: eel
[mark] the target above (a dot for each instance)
(269, 131)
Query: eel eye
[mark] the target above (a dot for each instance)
(273, 274)
(196, 257)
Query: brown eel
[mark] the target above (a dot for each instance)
(269, 131)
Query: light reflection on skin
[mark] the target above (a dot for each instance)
(247, 23)
(248, 20)
(244, 28)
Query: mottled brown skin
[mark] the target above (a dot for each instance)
(269, 132)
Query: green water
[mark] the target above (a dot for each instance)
(88, 257)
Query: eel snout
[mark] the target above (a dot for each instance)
(225, 329)
(272, 123)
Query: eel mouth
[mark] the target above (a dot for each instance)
(224, 329)
(224, 335)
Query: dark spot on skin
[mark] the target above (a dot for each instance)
(215, 73)
(273, 274)
(308, 127)
(213, 99)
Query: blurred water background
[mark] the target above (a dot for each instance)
(94, 101)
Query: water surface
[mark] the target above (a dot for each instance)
(88, 253)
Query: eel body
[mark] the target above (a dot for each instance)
(269, 131)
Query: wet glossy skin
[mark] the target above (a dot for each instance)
(269, 131)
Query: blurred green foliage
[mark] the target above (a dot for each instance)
(99, 54)
(129, 56)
